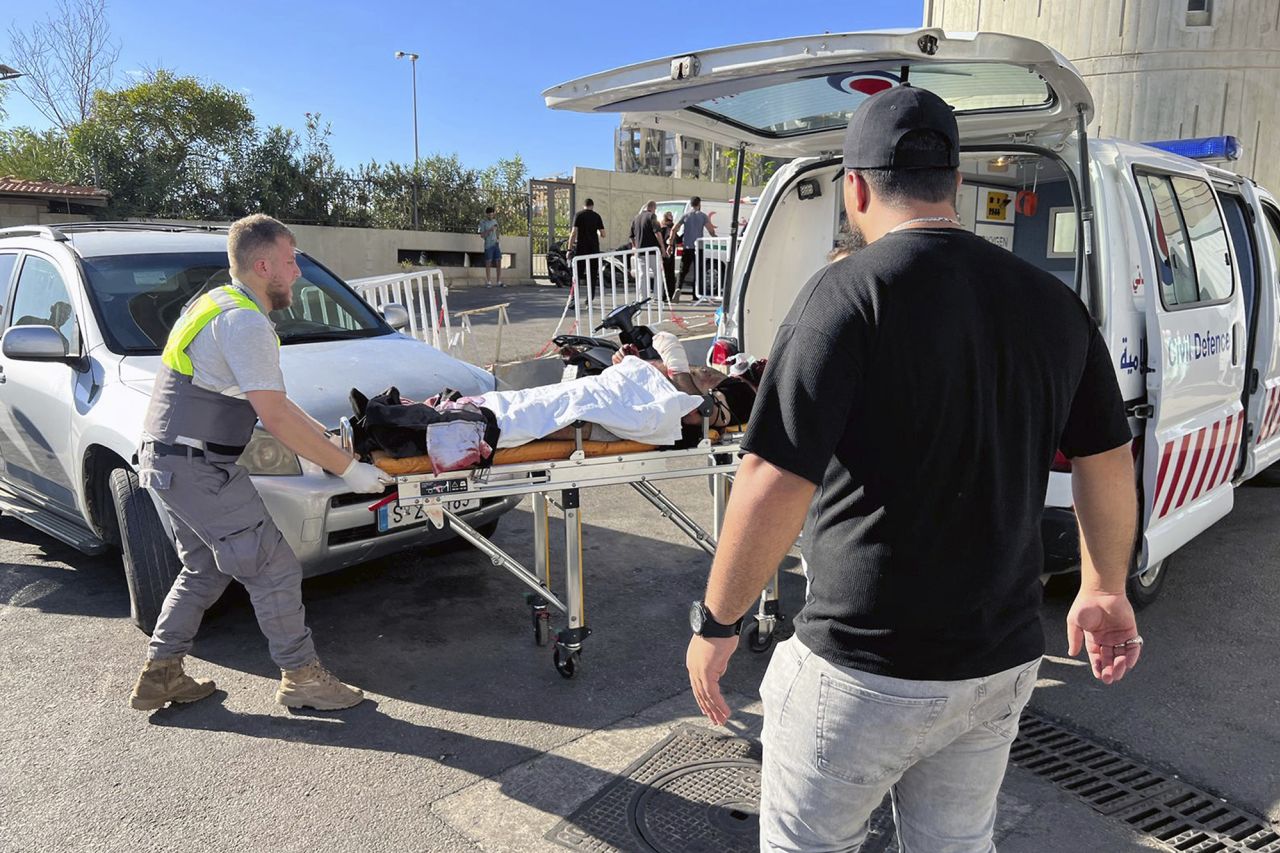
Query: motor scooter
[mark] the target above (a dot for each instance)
(585, 355)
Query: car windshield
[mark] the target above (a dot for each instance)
(138, 299)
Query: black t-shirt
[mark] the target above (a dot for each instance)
(644, 229)
(924, 384)
(589, 225)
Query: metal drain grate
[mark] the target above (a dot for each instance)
(1178, 815)
(697, 791)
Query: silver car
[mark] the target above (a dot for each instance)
(86, 310)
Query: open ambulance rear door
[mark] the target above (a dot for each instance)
(1196, 352)
(793, 97)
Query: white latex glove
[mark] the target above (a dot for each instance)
(672, 352)
(365, 479)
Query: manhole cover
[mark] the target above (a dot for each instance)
(696, 791)
(709, 807)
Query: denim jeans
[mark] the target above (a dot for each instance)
(837, 739)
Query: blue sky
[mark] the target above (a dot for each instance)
(483, 64)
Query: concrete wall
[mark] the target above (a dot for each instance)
(619, 196)
(361, 252)
(1154, 76)
(17, 212)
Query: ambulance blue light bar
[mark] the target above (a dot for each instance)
(1205, 148)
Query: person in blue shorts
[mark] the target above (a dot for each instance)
(492, 252)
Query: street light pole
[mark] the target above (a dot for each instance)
(413, 65)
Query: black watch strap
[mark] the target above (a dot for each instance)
(705, 625)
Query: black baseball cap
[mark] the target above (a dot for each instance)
(880, 123)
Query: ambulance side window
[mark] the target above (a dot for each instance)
(1168, 237)
(1208, 238)
(1189, 239)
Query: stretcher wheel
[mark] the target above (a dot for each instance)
(541, 625)
(566, 662)
(758, 642)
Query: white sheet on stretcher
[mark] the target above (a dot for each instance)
(632, 400)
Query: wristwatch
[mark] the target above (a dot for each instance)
(705, 625)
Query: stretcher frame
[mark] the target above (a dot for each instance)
(560, 483)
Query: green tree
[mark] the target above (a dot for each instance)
(756, 168)
(505, 185)
(39, 155)
(157, 146)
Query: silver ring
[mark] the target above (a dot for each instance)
(1132, 641)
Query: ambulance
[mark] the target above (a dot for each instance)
(1175, 258)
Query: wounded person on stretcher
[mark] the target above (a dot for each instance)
(652, 402)
(647, 402)
(731, 396)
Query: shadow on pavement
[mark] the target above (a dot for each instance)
(368, 727)
(453, 631)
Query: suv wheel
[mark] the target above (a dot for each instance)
(150, 562)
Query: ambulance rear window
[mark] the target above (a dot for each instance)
(827, 100)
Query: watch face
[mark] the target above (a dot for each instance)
(696, 617)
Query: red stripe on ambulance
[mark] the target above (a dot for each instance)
(1199, 462)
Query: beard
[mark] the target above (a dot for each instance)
(851, 240)
(280, 295)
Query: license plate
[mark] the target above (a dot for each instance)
(396, 515)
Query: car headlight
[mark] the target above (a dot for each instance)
(266, 456)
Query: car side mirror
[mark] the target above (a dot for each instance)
(39, 343)
(396, 315)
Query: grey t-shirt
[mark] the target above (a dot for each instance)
(489, 229)
(695, 222)
(237, 352)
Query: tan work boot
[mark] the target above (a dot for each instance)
(162, 680)
(313, 686)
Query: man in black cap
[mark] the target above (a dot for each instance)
(916, 395)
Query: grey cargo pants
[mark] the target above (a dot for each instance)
(222, 532)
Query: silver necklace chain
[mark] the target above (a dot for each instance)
(921, 219)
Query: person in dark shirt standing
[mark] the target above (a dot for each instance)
(646, 233)
(915, 397)
(668, 257)
(584, 239)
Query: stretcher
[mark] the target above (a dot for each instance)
(559, 481)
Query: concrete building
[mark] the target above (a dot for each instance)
(649, 151)
(1158, 69)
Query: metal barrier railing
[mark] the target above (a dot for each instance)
(709, 271)
(609, 280)
(423, 293)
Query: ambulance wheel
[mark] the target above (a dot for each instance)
(1145, 588)
(757, 642)
(566, 662)
(150, 562)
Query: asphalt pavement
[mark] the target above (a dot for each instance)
(472, 741)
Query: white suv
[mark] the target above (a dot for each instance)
(86, 310)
